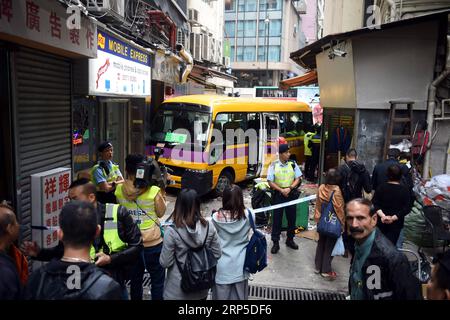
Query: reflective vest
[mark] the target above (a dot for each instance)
(112, 176)
(284, 174)
(111, 231)
(306, 139)
(316, 138)
(142, 209)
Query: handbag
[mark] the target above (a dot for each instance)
(329, 225)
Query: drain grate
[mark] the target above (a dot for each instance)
(279, 293)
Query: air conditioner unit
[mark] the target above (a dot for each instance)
(193, 15)
(106, 9)
(196, 45)
(181, 39)
(205, 47)
(301, 6)
(219, 52)
(212, 50)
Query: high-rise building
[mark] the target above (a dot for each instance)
(261, 35)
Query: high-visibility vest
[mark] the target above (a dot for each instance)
(112, 176)
(284, 175)
(316, 138)
(306, 139)
(111, 231)
(142, 209)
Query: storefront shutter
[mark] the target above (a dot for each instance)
(42, 120)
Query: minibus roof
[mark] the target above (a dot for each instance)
(226, 104)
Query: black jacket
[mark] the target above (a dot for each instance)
(379, 175)
(10, 286)
(129, 233)
(397, 281)
(363, 180)
(56, 281)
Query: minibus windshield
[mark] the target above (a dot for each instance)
(181, 124)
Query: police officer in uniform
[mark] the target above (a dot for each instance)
(284, 176)
(145, 202)
(106, 174)
(309, 173)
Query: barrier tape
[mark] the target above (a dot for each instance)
(285, 204)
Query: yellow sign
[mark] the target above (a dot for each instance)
(101, 41)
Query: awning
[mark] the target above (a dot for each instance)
(303, 80)
(201, 75)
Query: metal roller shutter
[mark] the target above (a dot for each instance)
(42, 120)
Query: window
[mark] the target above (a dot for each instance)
(261, 53)
(230, 5)
(230, 27)
(250, 28)
(239, 54)
(250, 6)
(241, 5)
(262, 28)
(271, 127)
(269, 5)
(295, 123)
(249, 53)
(275, 28)
(240, 29)
(232, 53)
(274, 53)
(231, 121)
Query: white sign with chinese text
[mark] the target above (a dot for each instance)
(120, 68)
(49, 192)
(45, 21)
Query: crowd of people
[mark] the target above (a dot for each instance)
(110, 232)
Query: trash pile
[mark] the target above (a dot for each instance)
(435, 192)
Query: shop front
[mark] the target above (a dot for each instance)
(111, 104)
(37, 51)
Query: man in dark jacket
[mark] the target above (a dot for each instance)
(378, 271)
(74, 277)
(10, 286)
(379, 175)
(355, 177)
(117, 264)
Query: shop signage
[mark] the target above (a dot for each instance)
(49, 192)
(120, 68)
(45, 22)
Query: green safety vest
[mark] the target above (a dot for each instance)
(112, 176)
(110, 231)
(145, 202)
(284, 175)
(306, 139)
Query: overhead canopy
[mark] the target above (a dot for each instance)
(306, 56)
(202, 74)
(303, 80)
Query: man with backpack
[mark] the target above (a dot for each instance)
(74, 276)
(355, 177)
(284, 177)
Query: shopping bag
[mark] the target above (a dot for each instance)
(339, 248)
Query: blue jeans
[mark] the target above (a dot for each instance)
(150, 261)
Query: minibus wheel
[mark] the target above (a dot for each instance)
(225, 180)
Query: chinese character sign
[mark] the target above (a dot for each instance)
(49, 192)
(47, 22)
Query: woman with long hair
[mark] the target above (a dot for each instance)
(189, 230)
(233, 227)
(326, 244)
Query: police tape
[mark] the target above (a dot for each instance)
(285, 204)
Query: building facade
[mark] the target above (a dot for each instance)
(261, 34)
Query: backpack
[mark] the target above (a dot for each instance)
(256, 252)
(55, 289)
(329, 225)
(349, 185)
(199, 270)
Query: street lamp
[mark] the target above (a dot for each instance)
(267, 22)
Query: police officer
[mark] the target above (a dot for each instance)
(116, 249)
(309, 173)
(283, 177)
(106, 174)
(146, 203)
